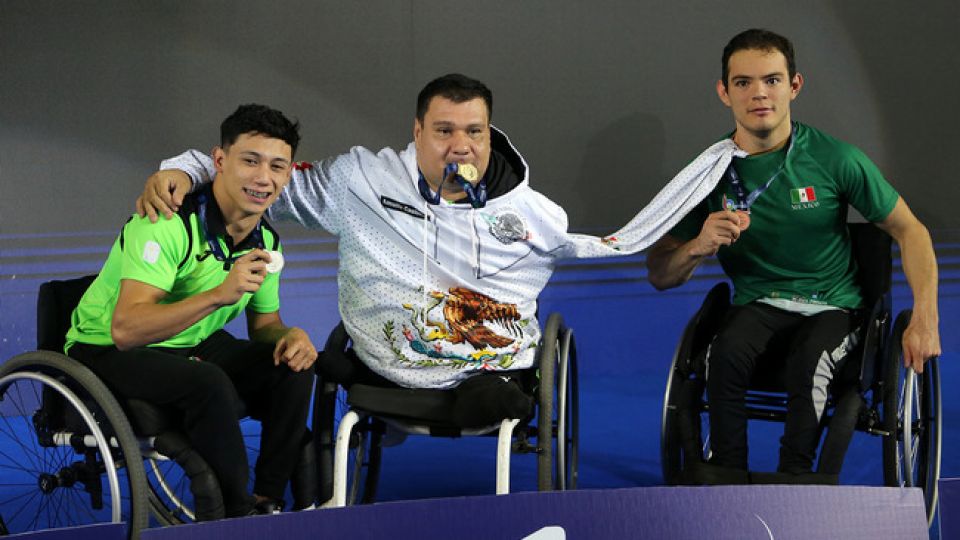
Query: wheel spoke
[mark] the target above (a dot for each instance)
(18, 440)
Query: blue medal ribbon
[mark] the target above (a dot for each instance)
(745, 200)
(477, 195)
(212, 242)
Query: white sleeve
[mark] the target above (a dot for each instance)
(198, 166)
(314, 197)
(310, 199)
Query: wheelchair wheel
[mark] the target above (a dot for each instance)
(182, 488)
(364, 456)
(176, 481)
(67, 452)
(171, 502)
(558, 415)
(684, 429)
(912, 415)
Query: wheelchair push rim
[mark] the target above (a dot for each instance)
(912, 417)
(558, 409)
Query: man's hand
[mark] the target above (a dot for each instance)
(721, 228)
(921, 342)
(295, 350)
(245, 276)
(163, 194)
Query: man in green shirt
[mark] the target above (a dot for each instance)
(777, 223)
(151, 324)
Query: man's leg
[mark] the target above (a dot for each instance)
(818, 349)
(201, 391)
(279, 396)
(487, 398)
(746, 333)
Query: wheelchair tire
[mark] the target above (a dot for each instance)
(61, 473)
(365, 456)
(684, 429)
(558, 417)
(177, 477)
(912, 415)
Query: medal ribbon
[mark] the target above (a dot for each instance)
(745, 200)
(212, 242)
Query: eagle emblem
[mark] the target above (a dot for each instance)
(465, 313)
(469, 333)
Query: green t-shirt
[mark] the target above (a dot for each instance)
(168, 256)
(797, 246)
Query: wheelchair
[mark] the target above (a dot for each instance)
(81, 456)
(351, 425)
(875, 395)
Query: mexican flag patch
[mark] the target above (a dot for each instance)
(802, 195)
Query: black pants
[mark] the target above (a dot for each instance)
(809, 350)
(231, 375)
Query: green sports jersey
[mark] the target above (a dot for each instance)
(172, 255)
(797, 246)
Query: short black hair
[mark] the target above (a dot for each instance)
(760, 40)
(260, 120)
(458, 89)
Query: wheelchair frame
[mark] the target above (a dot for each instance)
(351, 452)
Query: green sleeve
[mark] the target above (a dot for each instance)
(152, 251)
(865, 187)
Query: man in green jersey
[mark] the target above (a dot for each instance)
(777, 223)
(151, 324)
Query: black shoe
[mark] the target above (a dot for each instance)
(698, 473)
(267, 507)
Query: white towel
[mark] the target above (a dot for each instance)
(690, 186)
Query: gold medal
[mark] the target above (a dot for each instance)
(468, 172)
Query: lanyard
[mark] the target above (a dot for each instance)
(745, 200)
(477, 195)
(212, 242)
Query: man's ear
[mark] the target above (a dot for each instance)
(722, 93)
(417, 129)
(219, 154)
(795, 85)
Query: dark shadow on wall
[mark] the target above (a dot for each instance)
(910, 55)
(627, 152)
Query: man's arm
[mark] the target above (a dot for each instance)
(163, 194)
(140, 319)
(921, 339)
(312, 198)
(165, 189)
(293, 345)
(671, 261)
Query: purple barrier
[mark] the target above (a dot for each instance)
(729, 512)
(949, 508)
